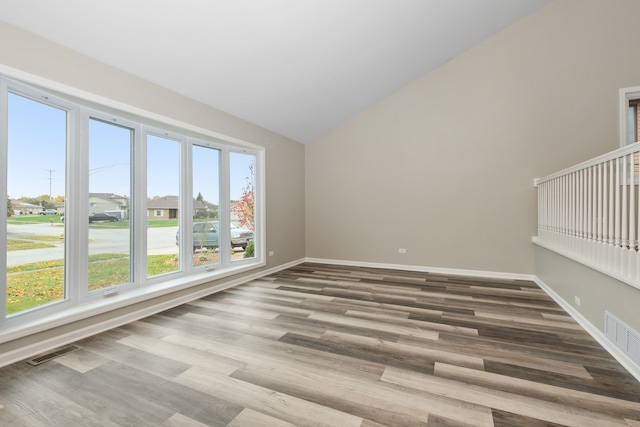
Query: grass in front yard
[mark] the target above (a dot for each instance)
(34, 219)
(31, 242)
(20, 245)
(111, 269)
(39, 283)
(161, 264)
(32, 288)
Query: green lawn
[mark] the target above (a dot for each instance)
(19, 245)
(35, 284)
(34, 219)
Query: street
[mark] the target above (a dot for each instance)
(161, 240)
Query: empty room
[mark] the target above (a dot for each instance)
(320, 213)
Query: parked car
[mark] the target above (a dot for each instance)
(49, 212)
(240, 236)
(102, 217)
(206, 235)
(120, 214)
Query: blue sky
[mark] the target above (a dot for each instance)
(37, 153)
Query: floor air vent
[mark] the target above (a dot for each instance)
(41, 358)
(625, 338)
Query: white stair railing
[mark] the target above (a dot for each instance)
(590, 213)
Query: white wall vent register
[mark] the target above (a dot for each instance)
(622, 336)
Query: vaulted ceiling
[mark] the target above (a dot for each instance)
(296, 67)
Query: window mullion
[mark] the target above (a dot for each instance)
(76, 213)
(138, 206)
(4, 143)
(225, 209)
(186, 206)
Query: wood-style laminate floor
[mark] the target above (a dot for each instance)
(337, 346)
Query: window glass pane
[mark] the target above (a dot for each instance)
(242, 169)
(631, 125)
(163, 201)
(206, 199)
(37, 135)
(109, 206)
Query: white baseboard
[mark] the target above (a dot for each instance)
(43, 346)
(438, 270)
(598, 335)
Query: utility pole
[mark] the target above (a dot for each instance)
(51, 171)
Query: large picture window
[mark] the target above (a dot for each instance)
(98, 204)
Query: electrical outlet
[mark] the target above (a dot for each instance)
(402, 250)
(576, 299)
(271, 253)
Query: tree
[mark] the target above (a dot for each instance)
(9, 207)
(244, 208)
(199, 197)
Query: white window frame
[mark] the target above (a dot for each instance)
(79, 305)
(626, 95)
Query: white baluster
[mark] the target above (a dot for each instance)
(599, 216)
(616, 242)
(632, 220)
(610, 257)
(584, 213)
(588, 204)
(636, 175)
(624, 234)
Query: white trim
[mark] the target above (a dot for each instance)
(612, 155)
(452, 271)
(598, 335)
(43, 346)
(626, 94)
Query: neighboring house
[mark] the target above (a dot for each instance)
(163, 207)
(101, 202)
(167, 207)
(22, 208)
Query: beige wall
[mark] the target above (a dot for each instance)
(597, 292)
(444, 167)
(284, 158)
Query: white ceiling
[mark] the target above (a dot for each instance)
(296, 67)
